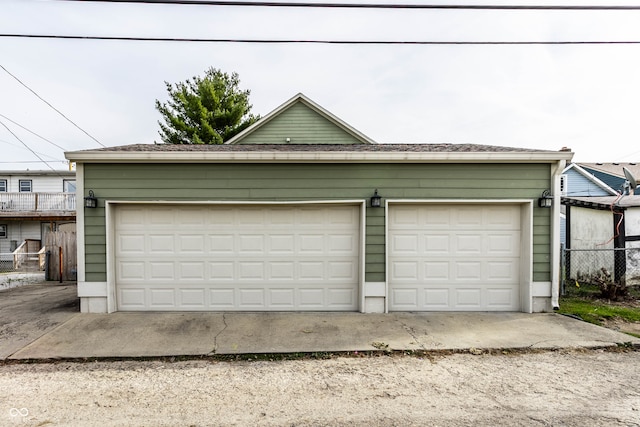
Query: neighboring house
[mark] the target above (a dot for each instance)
(576, 181)
(611, 174)
(33, 203)
(283, 217)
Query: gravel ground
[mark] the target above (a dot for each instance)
(569, 388)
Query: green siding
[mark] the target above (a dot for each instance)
(308, 182)
(303, 126)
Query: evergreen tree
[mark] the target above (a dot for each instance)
(205, 110)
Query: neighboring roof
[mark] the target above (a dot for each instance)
(605, 202)
(589, 176)
(613, 168)
(37, 173)
(423, 153)
(301, 99)
(612, 173)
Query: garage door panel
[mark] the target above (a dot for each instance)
(501, 297)
(192, 298)
(437, 271)
(404, 271)
(132, 271)
(193, 244)
(467, 244)
(405, 298)
(282, 244)
(405, 243)
(237, 258)
(436, 298)
(131, 244)
(502, 271)
(503, 244)
(465, 258)
(159, 270)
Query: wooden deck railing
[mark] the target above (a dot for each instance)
(37, 202)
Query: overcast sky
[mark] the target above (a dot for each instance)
(585, 97)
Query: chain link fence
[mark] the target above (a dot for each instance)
(620, 267)
(22, 263)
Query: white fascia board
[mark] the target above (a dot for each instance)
(314, 157)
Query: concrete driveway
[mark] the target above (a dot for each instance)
(42, 322)
(28, 312)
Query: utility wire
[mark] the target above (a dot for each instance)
(312, 41)
(32, 132)
(28, 148)
(3, 141)
(362, 5)
(54, 108)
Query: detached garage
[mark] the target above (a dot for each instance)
(301, 212)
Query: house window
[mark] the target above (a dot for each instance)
(3, 185)
(69, 185)
(563, 185)
(25, 185)
(3, 231)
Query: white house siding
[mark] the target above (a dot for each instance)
(19, 231)
(39, 184)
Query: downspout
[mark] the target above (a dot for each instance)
(556, 171)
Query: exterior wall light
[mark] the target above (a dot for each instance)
(545, 200)
(375, 199)
(91, 201)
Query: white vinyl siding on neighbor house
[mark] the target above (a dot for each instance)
(39, 183)
(237, 257)
(454, 257)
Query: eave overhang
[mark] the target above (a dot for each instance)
(315, 157)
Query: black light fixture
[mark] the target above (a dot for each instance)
(91, 201)
(375, 199)
(545, 200)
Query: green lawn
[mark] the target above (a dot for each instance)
(584, 302)
(595, 311)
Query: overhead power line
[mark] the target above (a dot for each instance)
(313, 41)
(363, 5)
(28, 148)
(54, 108)
(32, 132)
(50, 157)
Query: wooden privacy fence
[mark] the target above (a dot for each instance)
(61, 250)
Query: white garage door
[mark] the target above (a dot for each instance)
(454, 257)
(249, 258)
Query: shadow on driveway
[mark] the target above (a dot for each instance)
(30, 311)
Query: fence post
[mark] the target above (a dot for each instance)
(61, 264)
(563, 272)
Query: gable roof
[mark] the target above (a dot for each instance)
(320, 113)
(589, 177)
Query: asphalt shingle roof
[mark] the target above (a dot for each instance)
(452, 148)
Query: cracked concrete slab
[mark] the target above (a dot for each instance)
(152, 334)
(128, 335)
